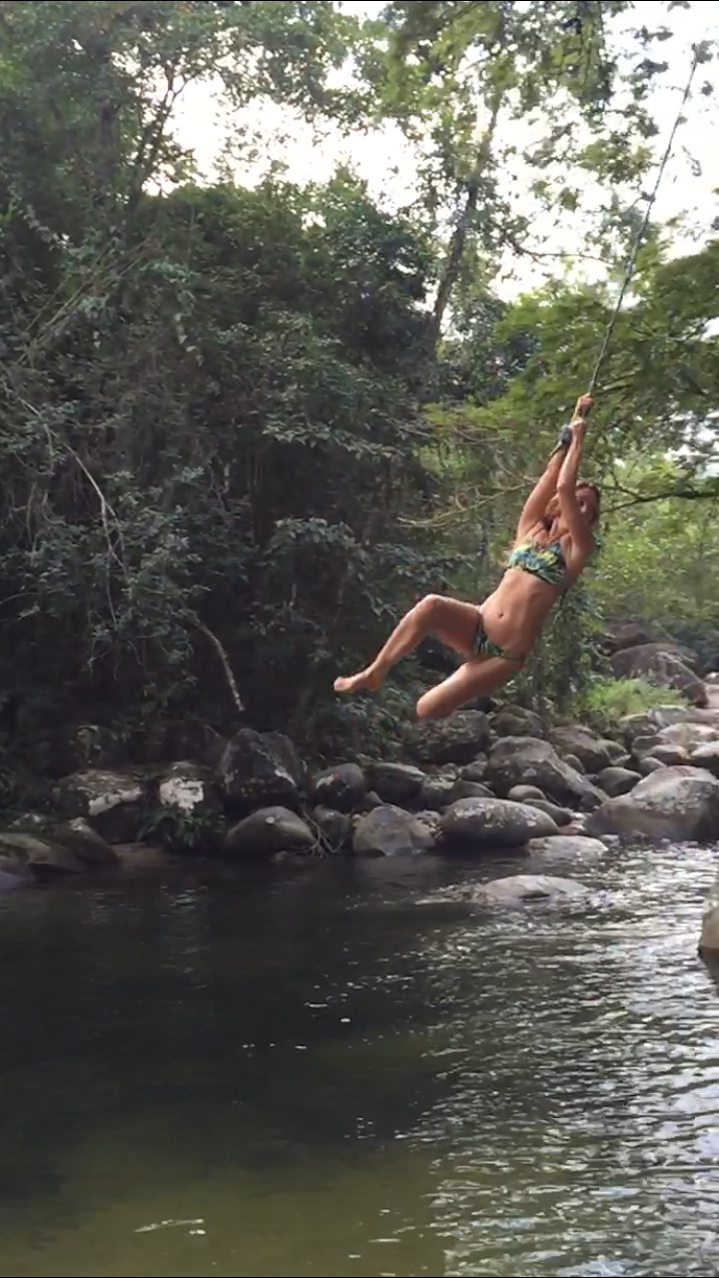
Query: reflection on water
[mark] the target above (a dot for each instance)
(320, 1076)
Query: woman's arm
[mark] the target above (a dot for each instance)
(579, 530)
(542, 493)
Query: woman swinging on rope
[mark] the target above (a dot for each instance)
(553, 544)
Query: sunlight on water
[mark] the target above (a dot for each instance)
(322, 1076)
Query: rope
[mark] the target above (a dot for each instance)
(629, 272)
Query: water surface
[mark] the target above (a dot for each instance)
(313, 1074)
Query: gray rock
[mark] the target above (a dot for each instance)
(570, 846)
(494, 823)
(396, 783)
(672, 756)
(39, 856)
(437, 791)
(114, 802)
(389, 831)
(529, 889)
(458, 739)
(560, 816)
(259, 770)
(709, 938)
(525, 793)
(268, 831)
(334, 827)
(476, 770)
(525, 760)
(687, 736)
(707, 756)
(341, 788)
(613, 780)
(471, 790)
(667, 668)
(515, 721)
(573, 761)
(85, 843)
(647, 765)
(583, 744)
(674, 803)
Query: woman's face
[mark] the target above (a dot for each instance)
(588, 504)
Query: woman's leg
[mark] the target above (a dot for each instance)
(476, 678)
(453, 622)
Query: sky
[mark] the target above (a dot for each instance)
(386, 161)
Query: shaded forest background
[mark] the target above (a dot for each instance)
(245, 426)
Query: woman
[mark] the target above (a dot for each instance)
(553, 544)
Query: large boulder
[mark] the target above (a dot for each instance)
(528, 761)
(674, 803)
(575, 739)
(116, 803)
(259, 770)
(707, 756)
(390, 831)
(267, 832)
(341, 788)
(458, 739)
(495, 823)
(686, 736)
(515, 721)
(399, 783)
(25, 853)
(660, 666)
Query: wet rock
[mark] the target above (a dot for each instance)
(259, 770)
(493, 823)
(390, 831)
(709, 938)
(515, 721)
(437, 791)
(432, 822)
(42, 858)
(114, 802)
(615, 781)
(569, 846)
(529, 889)
(85, 843)
(268, 831)
(560, 816)
(396, 783)
(334, 827)
(341, 788)
(580, 742)
(524, 760)
(458, 739)
(679, 803)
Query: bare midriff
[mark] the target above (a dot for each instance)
(513, 615)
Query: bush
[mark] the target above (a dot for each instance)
(606, 700)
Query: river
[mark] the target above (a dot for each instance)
(312, 1073)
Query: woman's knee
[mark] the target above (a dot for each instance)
(429, 607)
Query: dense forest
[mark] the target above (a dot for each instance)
(246, 421)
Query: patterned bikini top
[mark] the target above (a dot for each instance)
(545, 561)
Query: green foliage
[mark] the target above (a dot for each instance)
(605, 701)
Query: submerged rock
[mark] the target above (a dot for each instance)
(529, 889)
(709, 939)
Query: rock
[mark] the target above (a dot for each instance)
(370, 802)
(709, 939)
(615, 781)
(627, 634)
(515, 721)
(528, 889)
(341, 788)
(570, 846)
(525, 793)
(636, 660)
(647, 765)
(660, 666)
(707, 756)
(687, 736)
(573, 761)
(458, 739)
(525, 760)
(494, 823)
(268, 831)
(471, 790)
(85, 843)
(437, 791)
(44, 859)
(574, 739)
(560, 816)
(396, 783)
(115, 803)
(476, 770)
(672, 756)
(259, 770)
(334, 827)
(389, 831)
(432, 822)
(633, 726)
(141, 857)
(679, 803)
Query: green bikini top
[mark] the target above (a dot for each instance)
(544, 561)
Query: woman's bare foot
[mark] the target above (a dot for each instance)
(370, 679)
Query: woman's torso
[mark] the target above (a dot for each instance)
(537, 575)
